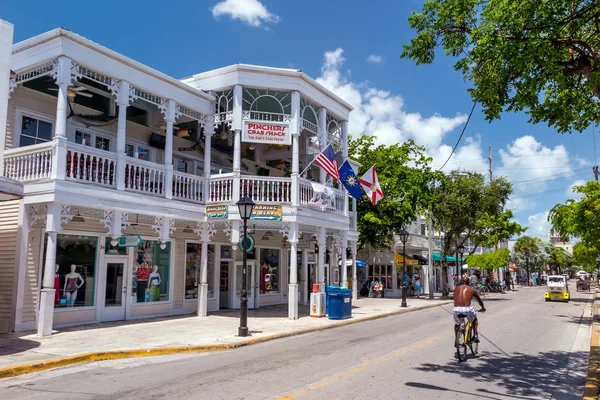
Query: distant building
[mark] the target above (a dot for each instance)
(555, 239)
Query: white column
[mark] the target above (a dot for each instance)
(209, 129)
(322, 138)
(293, 286)
(6, 42)
(354, 215)
(305, 289)
(63, 80)
(354, 278)
(322, 240)
(123, 103)
(345, 157)
(295, 130)
(344, 272)
(168, 161)
(46, 310)
(237, 142)
(203, 294)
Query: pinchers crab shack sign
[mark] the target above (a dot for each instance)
(266, 132)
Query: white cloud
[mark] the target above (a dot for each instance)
(252, 12)
(538, 225)
(374, 59)
(582, 162)
(573, 195)
(380, 113)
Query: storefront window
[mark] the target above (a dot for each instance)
(269, 271)
(75, 278)
(193, 270)
(382, 274)
(151, 272)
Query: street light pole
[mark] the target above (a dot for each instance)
(403, 238)
(527, 267)
(245, 206)
(461, 252)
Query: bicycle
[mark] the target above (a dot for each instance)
(463, 340)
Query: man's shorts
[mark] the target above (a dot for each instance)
(468, 312)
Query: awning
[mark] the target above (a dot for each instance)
(438, 257)
(399, 260)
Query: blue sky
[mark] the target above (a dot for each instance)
(332, 41)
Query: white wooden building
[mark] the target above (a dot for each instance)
(130, 179)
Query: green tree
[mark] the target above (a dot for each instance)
(466, 208)
(531, 253)
(585, 257)
(406, 178)
(559, 260)
(537, 56)
(488, 261)
(580, 218)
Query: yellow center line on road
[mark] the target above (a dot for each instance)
(359, 368)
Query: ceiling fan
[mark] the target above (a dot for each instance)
(73, 91)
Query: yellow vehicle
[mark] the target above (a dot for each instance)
(558, 289)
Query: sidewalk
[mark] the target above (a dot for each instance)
(215, 332)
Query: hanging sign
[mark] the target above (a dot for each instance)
(213, 212)
(246, 243)
(130, 241)
(266, 212)
(266, 132)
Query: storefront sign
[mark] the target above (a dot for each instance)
(266, 132)
(269, 212)
(143, 273)
(130, 241)
(213, 212)
(247, 243)
(303, 245)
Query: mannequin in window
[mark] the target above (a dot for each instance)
(56, 286)
(153, 283)
(73, 281)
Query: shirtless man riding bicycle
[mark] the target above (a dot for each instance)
(463, 294)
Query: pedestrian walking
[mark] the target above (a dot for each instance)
(418, 286)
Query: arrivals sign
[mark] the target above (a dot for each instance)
(266, 132)
(213, 212)
(266, 212)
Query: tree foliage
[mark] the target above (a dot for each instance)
(488, 261)
(538, 251)
(585, 257)
(580, 218)
(406, 178)
(537, 56)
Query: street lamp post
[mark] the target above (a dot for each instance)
(403, 238)
(245, 206)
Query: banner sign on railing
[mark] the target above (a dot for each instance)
(266, 132)
(268, 212)
(213, 212)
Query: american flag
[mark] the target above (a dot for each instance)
(327, 161)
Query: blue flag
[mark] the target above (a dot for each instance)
(350, 180)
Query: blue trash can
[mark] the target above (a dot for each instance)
(336, 305)
(347, 302)
(329, 289)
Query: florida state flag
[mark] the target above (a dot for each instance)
(370, 184)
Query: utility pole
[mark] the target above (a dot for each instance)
(490, 158)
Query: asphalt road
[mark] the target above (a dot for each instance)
(530, 349)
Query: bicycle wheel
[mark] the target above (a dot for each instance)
(461, 347)
(474, 346)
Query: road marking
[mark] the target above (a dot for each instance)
(359, 368)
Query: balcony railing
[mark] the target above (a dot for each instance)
(87, 164)
(28, 163)
(84, 164)
(267, 190)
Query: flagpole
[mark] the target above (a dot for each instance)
(313, 160)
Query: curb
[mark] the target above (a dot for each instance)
(29, 368)
(590, 390)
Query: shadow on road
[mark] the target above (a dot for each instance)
(479, 394)
(519, 375)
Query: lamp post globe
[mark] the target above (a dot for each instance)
(245, 207)
(404, 238)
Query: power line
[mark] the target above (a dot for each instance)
(461, 135)
(550, 176)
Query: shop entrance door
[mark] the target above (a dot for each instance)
(115, 289)
(251, 284)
